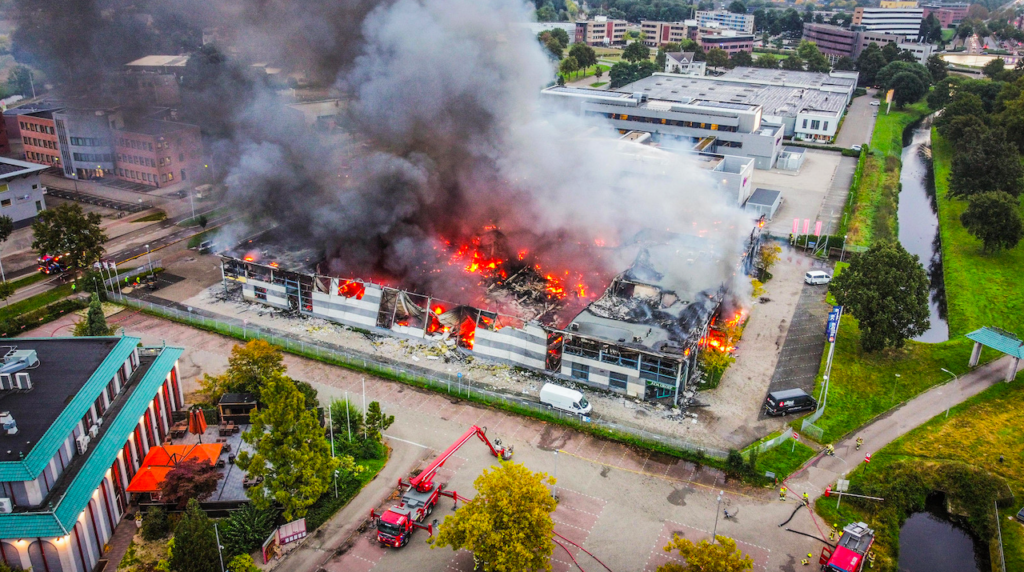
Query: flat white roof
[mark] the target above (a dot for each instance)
(10, 168)
(165, 61)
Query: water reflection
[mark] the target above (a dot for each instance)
(919, 223)
(930, 542)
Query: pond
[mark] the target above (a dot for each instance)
(977, 60)
(919, 223)
(930, 542)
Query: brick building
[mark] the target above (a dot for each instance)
(949, 15)
(35, 127)
(657, 34)
(731, 43)
(158, 153)
(600, 31)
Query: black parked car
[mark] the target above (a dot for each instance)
(788, 401)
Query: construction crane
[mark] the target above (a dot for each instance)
(419, 497)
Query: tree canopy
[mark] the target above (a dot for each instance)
(937, 67)
(508, 525)
(794, 62)
(248, 367)
(70, 231)
(95, 323)
(994, 218)
(717, 57)
(289, 451)
(991, 163)
(585, 55)
(886, 289)
(624, 73)
(907, 88)
(869, 62)
(766, 61)
(742, 59)
(636, 52)
(886, 76)
(195, 543)
(189, 479)
(812, 56)
(722, 556)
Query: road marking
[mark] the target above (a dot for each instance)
(409, 442)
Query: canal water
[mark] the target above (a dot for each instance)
(930, 542)
(919, 223)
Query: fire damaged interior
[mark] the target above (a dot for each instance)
(640, 337)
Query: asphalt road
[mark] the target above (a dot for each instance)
(859, 122)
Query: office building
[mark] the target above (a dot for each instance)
(728, 20)
(157, 153)
(728, 40)
(836, 42)
(657, 34)
(683, 63)
(949, 15)
(154, 80)
(903, 22)
(600, 31)
(83, 136)
(21, 193)
(34, 126)
(79, 415)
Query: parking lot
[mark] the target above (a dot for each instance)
(619, 502)
(800, 359)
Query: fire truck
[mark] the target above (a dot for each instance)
(851, 551)
(419, 494)
(50, 264)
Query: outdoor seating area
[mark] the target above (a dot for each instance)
(226, 436)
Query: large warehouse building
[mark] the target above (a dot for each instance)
(745, 112)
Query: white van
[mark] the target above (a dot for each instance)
(817, 277)
(566, 399)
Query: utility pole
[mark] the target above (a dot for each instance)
(149, 257)
(220, 554)
(348, 420)
(364, 408)
(954, 382)
(555, 488)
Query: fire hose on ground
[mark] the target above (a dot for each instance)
(800, 506)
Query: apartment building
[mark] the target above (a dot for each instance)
(903, 22)
(157, 153)
(79, 415)
(724, 19)
(21, 193)
(600, 31)
(657, 34)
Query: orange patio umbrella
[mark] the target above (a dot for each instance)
(197, 423)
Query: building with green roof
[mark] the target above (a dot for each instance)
(77, 417)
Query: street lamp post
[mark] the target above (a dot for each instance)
(219, 547)
(149, 257)
(894, 383)
(555, 488)
(954, 382)
(193, 203)
(714, 533)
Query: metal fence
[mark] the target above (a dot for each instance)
(774, 442)
(807, 427)
(452, 384)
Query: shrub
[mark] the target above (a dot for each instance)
(154, 524)
(246, 529)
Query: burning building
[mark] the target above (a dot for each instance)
(639, 337)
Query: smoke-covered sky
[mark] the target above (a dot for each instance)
(445, 132)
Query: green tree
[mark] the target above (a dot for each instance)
(844, 63)
(508, 525)
(994, 68)
(742, 59)
(793, 63)
(195, 542)
(561, 35)
(249, 366)
(989, 164)
(964, 131)
(891, 52)
(70, 231)
(189, 479)
(816, 61)
(309, 397)
(661, 59)
(584, 54)
(94, 324)
(245, 529)
(937, 67)
(202, 221)
(994, 218)
(6, 290)
(546, 13)
(19, 80)
(869, 62)
(288, 450)
(154, 524)
(886, 289)
(738, 7)
(766, 61)
(376, 421)
(908, 88)
(242, 563)
(568, 66)
(722, 556)
(636, 52)
(554, 48)
(886, 76)
(964, 104)
(717, 57)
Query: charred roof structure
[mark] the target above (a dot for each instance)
(640, 337)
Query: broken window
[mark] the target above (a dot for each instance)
(658, 371)
(261, 293)
(351, 289)
(580, 371)
(584, 347)
(617, 356)
(617, 380)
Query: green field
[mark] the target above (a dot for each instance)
(35, 302)
(947, 34)
(875, 194)
(784, 459)
(974, 436)
(30, 279)
(982, 289)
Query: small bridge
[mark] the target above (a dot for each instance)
(999, 340)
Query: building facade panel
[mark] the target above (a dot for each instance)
(728, 20)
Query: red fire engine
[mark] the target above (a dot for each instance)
(851, 551)
(396, 525)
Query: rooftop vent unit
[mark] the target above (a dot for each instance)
(18, 360)
(83, 443)
(8, 424)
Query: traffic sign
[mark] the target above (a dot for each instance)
(833, 323)
(795, 436)
(842, 485)
(867, 458)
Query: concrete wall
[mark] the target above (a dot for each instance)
(21, 198)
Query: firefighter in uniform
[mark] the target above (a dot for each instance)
(871, 559)
(807, 499)
(860, 441)
(782, 494)
(830, 450)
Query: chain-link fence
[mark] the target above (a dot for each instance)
(452, 384)
(807, 427)
(774, 442)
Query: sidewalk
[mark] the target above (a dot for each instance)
(823, 470)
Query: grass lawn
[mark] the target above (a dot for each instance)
(975, 434)
(589, 73)
(947, 34)
(35, 302)
(982, 289)
(30, 279)
(784, 459)
(152, 217)
(874, 199)
(599, 84)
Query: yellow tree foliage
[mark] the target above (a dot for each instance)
(723, 556)
(248, 368)
(508, 525)
(769, 255)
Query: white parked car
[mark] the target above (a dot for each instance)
(856, 148)
(876, 103)
(817, 277)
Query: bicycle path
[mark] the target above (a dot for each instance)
(822, 470)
